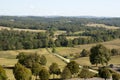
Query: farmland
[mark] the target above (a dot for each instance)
(64, 37)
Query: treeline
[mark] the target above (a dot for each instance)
(14, 40)
(61, 23)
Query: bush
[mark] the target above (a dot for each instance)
(116, 76)
(85, 73)
(3, 75)
(104, 73)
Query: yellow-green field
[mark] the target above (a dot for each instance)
(85, 60)
(77, 49)
(73, 37)
(102, 25)
(17, 29)
(7, 58)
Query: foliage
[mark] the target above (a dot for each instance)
(99, 55)
(84, 53)
(66, 74)
(3, 75)
(54, 69)
(44, 74)
(36, 68)
(85, 73)
(73, 67)
(116, 76)
(115, 52)
(28, 60)
(104, 73)
(21, 73)
(43, 60)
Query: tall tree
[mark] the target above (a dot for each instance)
(44, 74)
(54, 69)
(104, 73)
(36, 68)
(99, 55)
(66, 74)
(73, 67)
(21, 73)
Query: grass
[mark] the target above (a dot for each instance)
(7, 58)
(102, 25)
(73, 37)
(77, 49)
(17, 29)
(85, 60)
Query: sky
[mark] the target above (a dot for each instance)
(100, 8)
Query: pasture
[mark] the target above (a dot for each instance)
(102, 26)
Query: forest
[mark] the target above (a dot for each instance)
(15, 40)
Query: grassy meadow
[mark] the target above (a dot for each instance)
(103, 26)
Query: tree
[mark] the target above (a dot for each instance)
(84, 53)
(114, 52)
(28, 45)
(21, 73)
(43, 60)
(104, 73)
(116, 76)
(44, 74)
(36, 68)
(99, 55)
(66, 74)
(73, 67)
(28, 60)
(54, 69)
(85, 73)
(21, 57)
(3, 75)
(53, 50)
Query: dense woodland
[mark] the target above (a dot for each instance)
(14, 40)
(61, 23)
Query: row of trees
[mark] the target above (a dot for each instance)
(86, 53)
(29, 65)
(14, 40)
(70, 24)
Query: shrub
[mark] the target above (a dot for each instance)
(116, 76)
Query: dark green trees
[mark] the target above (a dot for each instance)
(73, 67)
(66, 74)
(36, 68)
(3, 75)
(54, 69)
(104, 73)
(85, 73)
(99, 55)
(44, 74)
(28, 60)
(84, 53)
(116, 76)
(43, 60)
(21, 73)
